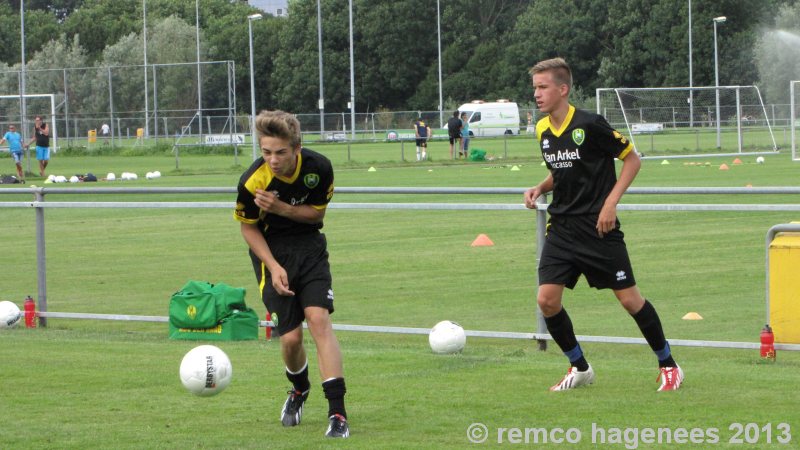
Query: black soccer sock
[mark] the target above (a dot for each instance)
(299, 379)
(560, 328)
(335, 389)
(650, 325)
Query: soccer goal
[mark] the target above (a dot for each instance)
(690, 122)
(794, 122)
(35, 104)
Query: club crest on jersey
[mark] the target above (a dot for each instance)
(578, 135)
(311, 180)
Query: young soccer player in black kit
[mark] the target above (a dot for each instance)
(281, 202)
(583, 233)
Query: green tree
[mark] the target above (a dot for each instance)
(101, 23)
(778, 55)
(226, 32)
(295, 75)
(550, 28)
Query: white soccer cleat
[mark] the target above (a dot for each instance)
(573, 379)
(671, 378)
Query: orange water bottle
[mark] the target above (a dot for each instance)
(767, 343)
(30, 312)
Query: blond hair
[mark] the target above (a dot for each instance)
(558, 67)
(278, 124)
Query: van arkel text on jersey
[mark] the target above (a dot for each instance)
(563, 158)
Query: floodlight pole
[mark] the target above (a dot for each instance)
(691, 81)
(199, 83)
(22, 109)
(352, 81)
(321, 91)
(439, 46)
(717, 20)
(146, 95)
(250, 20)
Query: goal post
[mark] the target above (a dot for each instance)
(11, 115)
(686, 122)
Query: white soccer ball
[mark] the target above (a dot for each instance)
(206, 371)
(9, 314)
(111, 176)
(74, 179)
(447, 337)
(760, 160)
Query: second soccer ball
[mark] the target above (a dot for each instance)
(206, 371)
(447, 337)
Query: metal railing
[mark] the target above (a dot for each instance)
(40, 204)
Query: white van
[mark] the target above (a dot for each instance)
(491, 118)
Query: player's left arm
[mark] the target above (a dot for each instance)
(631, 163)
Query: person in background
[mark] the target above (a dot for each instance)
(422, 132)
(454, 133)
(15, 147)
(41, 135)
(464, 135)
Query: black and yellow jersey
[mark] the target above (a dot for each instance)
(420, 128)
(580, 156)
(311, 184)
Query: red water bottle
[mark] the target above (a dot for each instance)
(767, 343)
(30, 313)
(268, 330)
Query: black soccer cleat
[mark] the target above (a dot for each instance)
(337, 428)
(293, 408)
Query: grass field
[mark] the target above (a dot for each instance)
(90, 384)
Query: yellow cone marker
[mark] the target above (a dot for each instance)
(692, 316)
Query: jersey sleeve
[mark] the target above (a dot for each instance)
(246, 210)
(610, 139)
(322, 193)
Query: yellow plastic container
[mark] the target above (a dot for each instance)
(92, 136)
(784, 287)
(140, 133)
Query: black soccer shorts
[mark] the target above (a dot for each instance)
(572, 247)
(422, 142)
(305, 259)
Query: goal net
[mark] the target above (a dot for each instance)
(794, 119)
(682, 122)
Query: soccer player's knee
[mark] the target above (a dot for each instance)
(318, 323)
(548, 304)
(292, 341)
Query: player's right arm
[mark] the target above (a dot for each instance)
(542, 188)
(255, 240)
